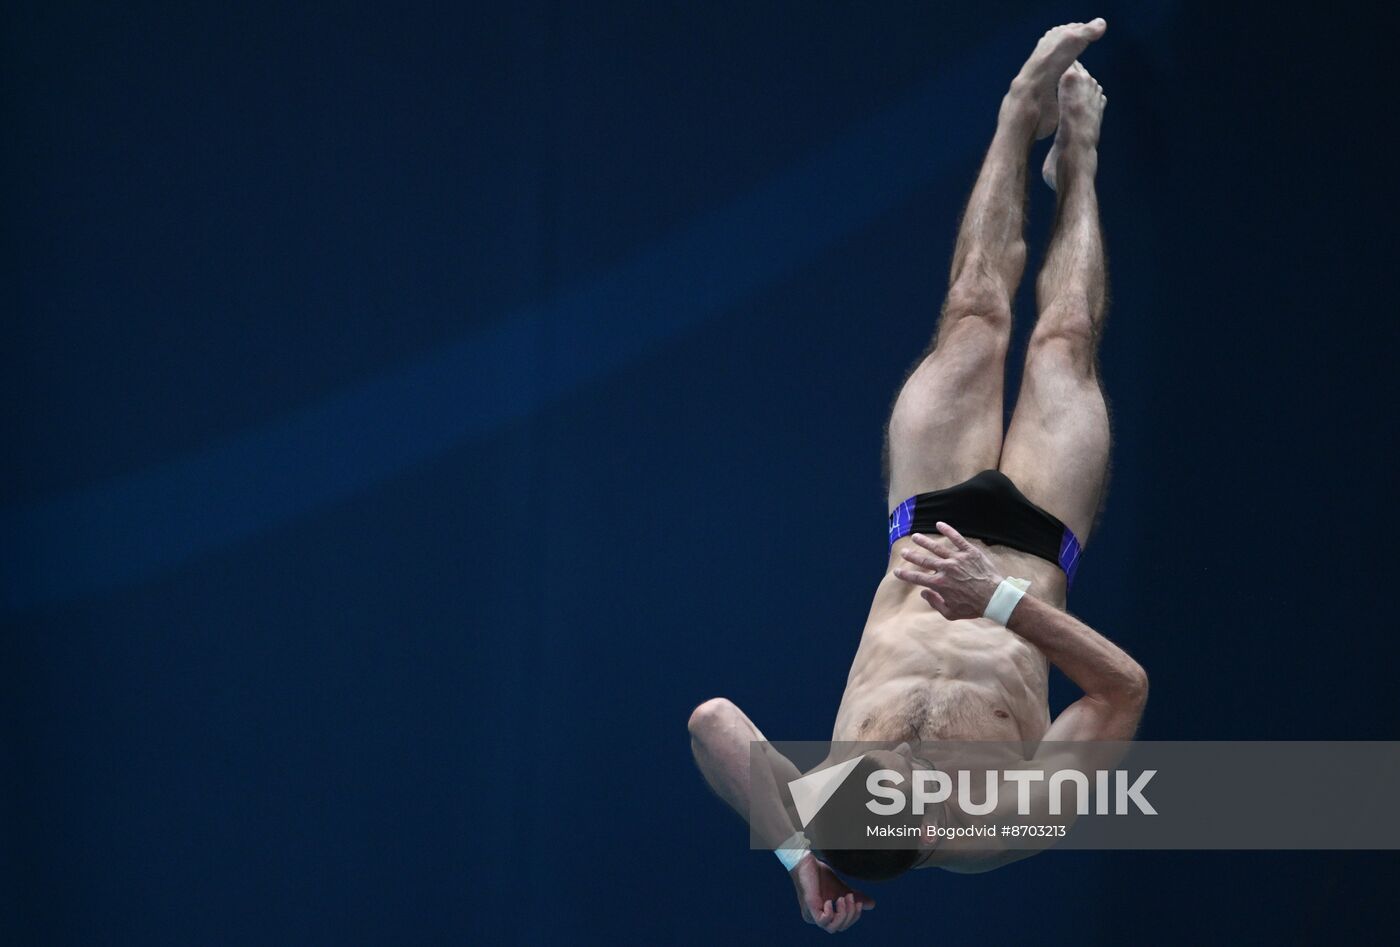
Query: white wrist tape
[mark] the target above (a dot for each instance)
(1004, 599)
(792, 851)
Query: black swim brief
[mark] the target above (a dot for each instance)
(989, 507)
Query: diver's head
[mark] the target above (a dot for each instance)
(864, 844)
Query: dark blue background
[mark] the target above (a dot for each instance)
(413, 411)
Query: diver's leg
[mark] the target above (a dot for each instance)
(946, 423)
(1057, 447)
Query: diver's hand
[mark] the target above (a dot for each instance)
(825, 899)
(958, 578)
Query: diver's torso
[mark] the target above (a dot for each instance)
(919, 677)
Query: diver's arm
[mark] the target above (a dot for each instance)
(720, 738)
(1114, 685)
(1091, 734)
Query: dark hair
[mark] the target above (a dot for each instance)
(839, 832)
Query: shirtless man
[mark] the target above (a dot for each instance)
(931, 666)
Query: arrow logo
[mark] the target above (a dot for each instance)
(810, 792)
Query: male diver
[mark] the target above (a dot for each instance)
(956, 644)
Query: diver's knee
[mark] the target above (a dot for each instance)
(977, 298)
(1066, 336)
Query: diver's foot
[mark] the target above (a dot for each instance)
(1081, 105)
(1033, 90)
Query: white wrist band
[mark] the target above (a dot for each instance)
(792, 851)
(1004, 599)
